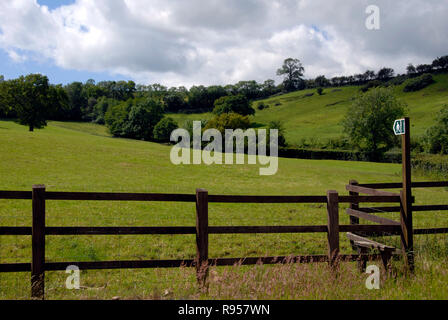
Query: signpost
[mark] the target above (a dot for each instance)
(402, 127)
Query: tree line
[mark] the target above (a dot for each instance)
(122, 105)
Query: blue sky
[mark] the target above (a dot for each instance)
(194, 42)
(11, 69)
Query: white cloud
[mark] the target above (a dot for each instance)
(218, 42)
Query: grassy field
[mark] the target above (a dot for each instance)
(317, 118)
(83, 157)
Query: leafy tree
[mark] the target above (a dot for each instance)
(369, 120)
(29, 97)
(77, 100)
(116, 117)
(440, 63)
(437, 135)
(163, 129)
(292, 72)
(410, 69)
(237, 104)
(385, 73)
(321, 81)
(141, 120)
(174, 102)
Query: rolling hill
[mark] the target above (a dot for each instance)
(318, 117)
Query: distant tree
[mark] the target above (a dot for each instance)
(268, 87)
(424, 68)
(163, 129)
(77, 100)
(174, 102)
(2, 78)
(440, 63)
(369, 120)
(437, 135)
(410, 69)
(292, 72)
(29, 97)
(321, 81)
(385, 74)
(237, 104)
(370, 75)
(141, 120)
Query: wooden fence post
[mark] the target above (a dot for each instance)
(406, 197)
(333, 226)
(407, 241)
(38, 243)
(354, 206)
(202, 235)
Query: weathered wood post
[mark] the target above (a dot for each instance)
(202, 235)
(354, 206)
(333, 227)
(38, 243)
(406, 198)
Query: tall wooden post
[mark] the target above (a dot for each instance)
(202, 235)
(38, 243)
(333, 226)
(354, 206)
(406, 198)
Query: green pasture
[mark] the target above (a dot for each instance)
(83, 157)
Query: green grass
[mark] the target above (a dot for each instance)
(317, 118)
(83, 157)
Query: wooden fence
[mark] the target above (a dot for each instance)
(332, 199)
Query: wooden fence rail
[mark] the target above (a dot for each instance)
(202, 230)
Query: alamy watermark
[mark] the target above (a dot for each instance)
(373, 19)
(373, 280)
(234, 141)
(73, 280)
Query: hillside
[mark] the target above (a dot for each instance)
(318, 117)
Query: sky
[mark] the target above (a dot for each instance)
(193, 42)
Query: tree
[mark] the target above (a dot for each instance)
(237, 104)
(369, 120)
(437, 135)
(385, 73)
(292, 72)
(141, 120)
(410, 69)
(29, 97)
(321, 81)
(163, 129)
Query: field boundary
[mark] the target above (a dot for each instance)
(355, 231)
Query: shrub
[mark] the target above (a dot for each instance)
(228, 121)
(320, 91)
(261, 106)
(370, 84)
(236, 104)
(281, 132)
(437, 135)
(162, 130)
(418, 83)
